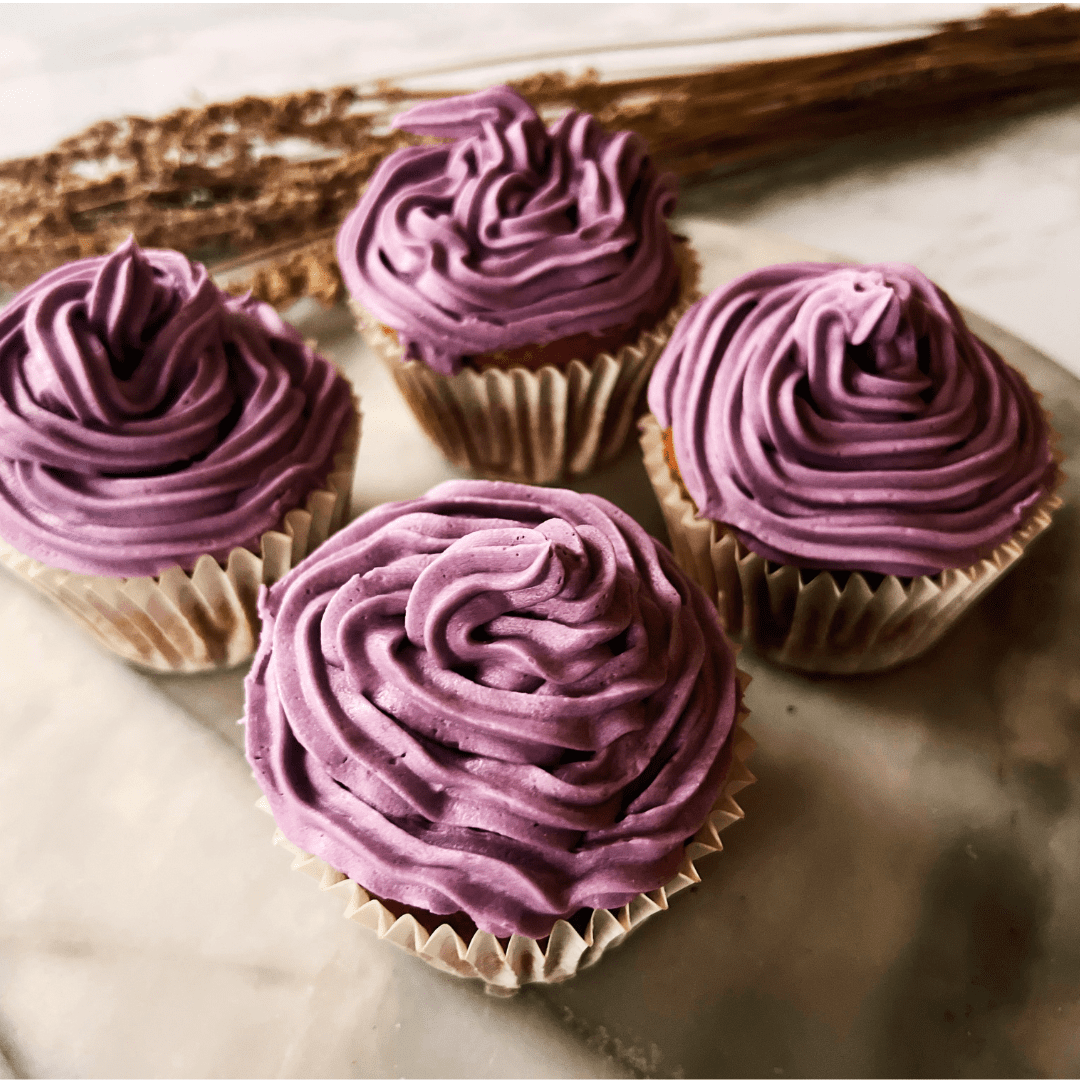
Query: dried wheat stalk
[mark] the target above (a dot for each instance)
(220, 184)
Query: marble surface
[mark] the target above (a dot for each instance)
(63, 66)
(901, 898)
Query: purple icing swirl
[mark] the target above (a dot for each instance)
(842, 417)
(147, 418)
(496, 699)
(509, 234)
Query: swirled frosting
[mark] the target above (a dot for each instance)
(147, 418)
(509, 234)
(496, 699)
(845, 417)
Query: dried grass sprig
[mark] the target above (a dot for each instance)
(257, 187)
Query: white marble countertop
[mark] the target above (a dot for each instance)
(148, 928)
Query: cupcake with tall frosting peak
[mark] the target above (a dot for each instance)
(519, 279)
(842, 461)
(164, 448)
(499, 714)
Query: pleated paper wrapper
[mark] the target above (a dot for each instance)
(205, 619)
(504, 969)
(533, 426)
(816, 625)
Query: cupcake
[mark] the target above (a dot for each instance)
(842, 463)
(164, 450)
(502, 719)
(520, 281)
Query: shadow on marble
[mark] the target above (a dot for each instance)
(215, 699)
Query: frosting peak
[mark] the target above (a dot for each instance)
(496, 699)
(841, 417)
(510, 234)
(147, 418)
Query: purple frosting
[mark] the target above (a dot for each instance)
(147, 418)
(509, 234)
(843, 417)
(496, 699)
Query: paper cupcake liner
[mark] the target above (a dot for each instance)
(818, 626)
(565, 951)
(207, 618)
(533, 426)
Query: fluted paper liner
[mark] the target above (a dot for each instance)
(565, 951)
(533, 426)
(817, 625)
(207, 618)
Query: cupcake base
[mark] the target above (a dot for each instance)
(205, 619)
(816, 625)
(505, 965)
(533, 426)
